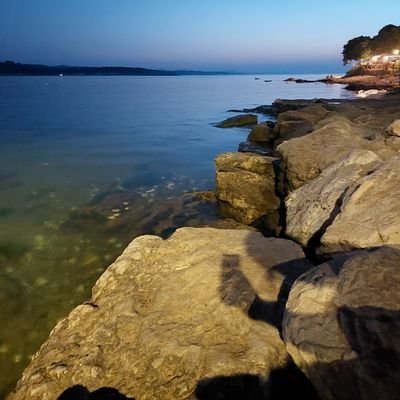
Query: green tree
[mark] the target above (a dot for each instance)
(387, 39)
(357, 49)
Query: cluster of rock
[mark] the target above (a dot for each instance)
(231, 314)
(362, 81)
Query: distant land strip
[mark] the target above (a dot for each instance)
(12, 68)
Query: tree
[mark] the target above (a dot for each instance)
(387, 39)
(357, 49)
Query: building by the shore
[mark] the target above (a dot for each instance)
(388, 60)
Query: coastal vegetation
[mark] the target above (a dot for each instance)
(364, 47)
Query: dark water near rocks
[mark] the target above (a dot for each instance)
(87, 164)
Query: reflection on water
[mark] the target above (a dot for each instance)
(89, 163)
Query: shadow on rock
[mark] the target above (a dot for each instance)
(237, 290)
(284, 383)
(79, 392)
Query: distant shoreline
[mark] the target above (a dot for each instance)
(10, 68)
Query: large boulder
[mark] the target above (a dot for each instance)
(304, 158)
(297, 123)
(369, 214)
(342, 325)
(313, 206)
(171, 316)
(263, 133)
(246, 187)
(238, 120)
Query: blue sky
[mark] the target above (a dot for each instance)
(244, 36)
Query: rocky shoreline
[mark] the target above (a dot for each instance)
(388, 82)
(307, 308)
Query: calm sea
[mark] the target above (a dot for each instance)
(87, 164)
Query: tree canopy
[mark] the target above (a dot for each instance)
(361, 47)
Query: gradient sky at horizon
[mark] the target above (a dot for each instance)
(253, 36)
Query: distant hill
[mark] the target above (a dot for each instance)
(13, 68)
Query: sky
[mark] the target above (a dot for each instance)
(253, 36)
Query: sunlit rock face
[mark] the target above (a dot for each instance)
(342, 325)
(312, 207)
(171, 317)
(370, 213)
(334, 137)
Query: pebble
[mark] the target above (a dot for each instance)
(80, 289)
(4, 349)
(39, 241)
(17, 358)
(41, 281)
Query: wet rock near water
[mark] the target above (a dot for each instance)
(297, 123)
(238, 121)
(137, 339)
(263, 133)
(282, 105)
(129, 213)
(342, 325)
(261, 149)
(299, 80)
(268, 110)
(246, 188)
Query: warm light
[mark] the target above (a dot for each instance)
(396, 52)
(386, 58)
(374, 58)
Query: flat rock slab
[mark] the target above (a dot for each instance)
(170, 315)
(239, 120)
(342, 325)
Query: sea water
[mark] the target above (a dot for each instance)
(89, 163)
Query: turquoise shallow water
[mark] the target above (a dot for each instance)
(87, 164)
